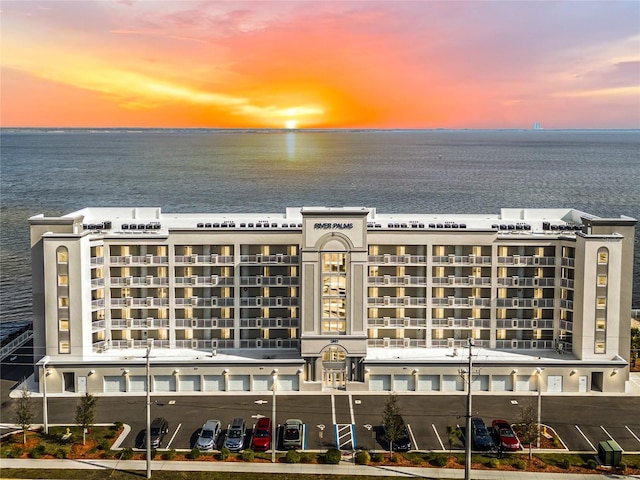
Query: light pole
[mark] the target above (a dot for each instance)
(467, 463)
(273, 416)
(148, 432)
(539, 370)
(45, 412)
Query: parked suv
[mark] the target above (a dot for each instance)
(292, 437)
(208, 435)
(236, 433)
(159, 428)
(481, 439)
(262, 435)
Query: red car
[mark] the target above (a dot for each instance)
(261, 440)
(504, 436)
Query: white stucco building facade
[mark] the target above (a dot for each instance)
(333, 298)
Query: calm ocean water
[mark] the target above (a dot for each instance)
(221, 171)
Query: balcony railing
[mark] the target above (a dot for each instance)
(524, 302)
(461, 302)
(523, 260)
(97, 282)
(566, 304)
(146, 281)
(568, 262)
(139, 260)
(212, 259)
(206, 323)
(397, 259)
(566, 325)
(271, 259)
(520, 323)
(203, 281)
(396, 322)
(461, 323)
(458, 343)
(138, 343)
(137, 323)
(139, 302)
(525, 282)
(278, 280)
(399, 281)
(462, 281)
(397, 301)
(212, 344)
(97, 261)
(277, 322)
(269, 302)
(567, 282)
(525, 344)
(270, 343)
(211, 302)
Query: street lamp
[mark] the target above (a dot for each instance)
(148, 432)
(539, 371)
(45, 413)
(467, 463)
(273, 416)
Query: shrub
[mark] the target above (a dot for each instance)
(622, 466)
(293, 456)
(439, 461)
(306, 458)
(494, 463)
(62, 453)
(416, 461)
(127, 453)
(377, 457)
(248, 455)
(363, 458)
(592, 464)
(565, 463)
(333, 456)
(104, 445)
(194, 454)
(556, 442)
(520, 464)
(117, 426)
(169, 454)
(110, 435)
(224, 453)
(37, 451)
(15, 452)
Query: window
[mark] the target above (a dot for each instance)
(334, 293)
(63, 302)
(64, 347)
(62, 255)
(63, 280)
(603, 257)
(600, 347)
(600, 324)
(602, 280)
(63, 325)
(601, 302)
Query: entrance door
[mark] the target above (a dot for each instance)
(334, 368)
(596, 381)
(82, 384)
(554, 383)
(582, 383)
(69, 381)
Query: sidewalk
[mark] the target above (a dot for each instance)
(298, 468)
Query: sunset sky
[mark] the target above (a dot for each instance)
(306, 64)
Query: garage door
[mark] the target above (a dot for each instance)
(288, 383)
(164, 383)
(379, 383)
(262, 383)
(239, 383)
(429, 383)
(190, 383)
(501, 383)
(213, 383)
(403, 383)
(114, 384)
(452, 383)
(480, 383)
(137, 383)
(554, 383)
(525, 383)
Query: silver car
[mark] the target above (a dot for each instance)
(208, 436)
(236, 434)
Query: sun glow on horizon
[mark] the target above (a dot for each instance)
(291, 124)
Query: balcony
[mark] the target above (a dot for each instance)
(139, 260)
(458, 343)
(269, 302)
(139, 323)
(566, 304)
(97, 261)
(276, 322)
(468, 281)
(204, 302)
(568, 262)
(523, 324)
(97, 326)
(97, 303)
(525, 344)
(139, 302)
(195, 259)
(525, 260)
(196, 344)
(277, 259)
(454, 302)
(203, 281)
(388, 259)
(524, 302)
(288, 343)
(516, 281)
(146, 281)
(567, 282)
(278, 280)
(204, 323)
(397, 281)
(456, 323)
(396, 322)
(397, 301)
(121, 344)
(97, 282)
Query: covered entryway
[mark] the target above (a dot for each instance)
(334, 368)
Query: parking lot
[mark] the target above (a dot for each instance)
(344, 420)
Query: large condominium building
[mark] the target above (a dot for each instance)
(344, 298)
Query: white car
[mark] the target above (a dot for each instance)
(208, 435)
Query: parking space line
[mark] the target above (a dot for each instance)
(437, 436)
(585, 437)
(173, 436)
(608, 434)
(333, 409)
(413, 439)
(631, 432)
(353, 418)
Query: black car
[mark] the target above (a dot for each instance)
(400, 444)
(159, 428)
(481, 438)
